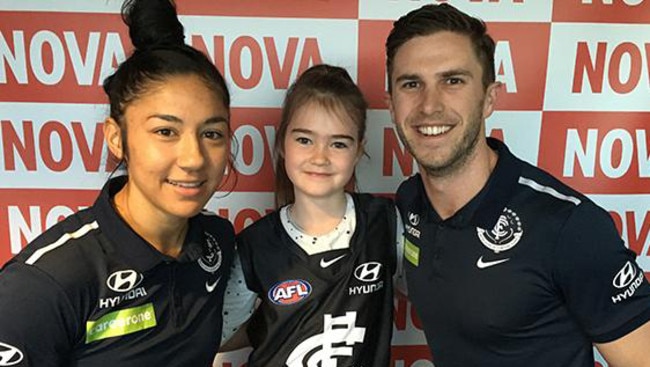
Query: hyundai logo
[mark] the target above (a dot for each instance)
(625, 276)
(123, 280)
(9, 355)
(368, 272)
(414, 219)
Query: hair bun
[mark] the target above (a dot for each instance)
(152, 23)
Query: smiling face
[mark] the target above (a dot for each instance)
(438, 102)
(320, 152)
(178, 147)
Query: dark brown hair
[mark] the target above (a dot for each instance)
(430, 19)
(160, 52)
(331, 87)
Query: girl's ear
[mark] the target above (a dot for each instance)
(361, 151)
(113, 137)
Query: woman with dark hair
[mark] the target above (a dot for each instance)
(138, 278)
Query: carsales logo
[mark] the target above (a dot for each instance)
(289, 292)
(599, 152)
(9, 355)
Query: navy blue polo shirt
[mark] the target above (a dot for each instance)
(91, 292)
(528, 273)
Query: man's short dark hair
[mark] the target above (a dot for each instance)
(430, 19)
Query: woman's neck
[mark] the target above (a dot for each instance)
(317, 217)
(165, 234)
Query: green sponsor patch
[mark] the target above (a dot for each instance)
(411, 252)
(121, 322)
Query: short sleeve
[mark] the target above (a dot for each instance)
(37, 322)
(604, 288)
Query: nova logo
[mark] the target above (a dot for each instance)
(610, 2)
(604, 152)
(123, 280)
(616, 151)
(368, 272)
(625, 276)
(289, 292)
(9, 355)
(55, 145)
(602, 11)
(624, 64)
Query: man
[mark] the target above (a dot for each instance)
(505, 265)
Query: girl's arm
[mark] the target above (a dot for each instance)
(238, 305)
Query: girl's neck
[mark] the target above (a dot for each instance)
(317, 217)
(165, 235)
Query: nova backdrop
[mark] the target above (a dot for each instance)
(575, 102)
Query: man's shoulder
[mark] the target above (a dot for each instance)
(409, 189)
(545, 185)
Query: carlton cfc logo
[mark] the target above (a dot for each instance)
(289, 292)
(505, 234)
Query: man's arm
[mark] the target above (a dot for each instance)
(630, 350)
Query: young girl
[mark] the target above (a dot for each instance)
(322, 264)
(138, 278)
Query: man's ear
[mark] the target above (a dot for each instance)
(490, 100)
(113, 137)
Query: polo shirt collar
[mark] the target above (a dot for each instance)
(498, 190)
(132, 248)
(485, 208)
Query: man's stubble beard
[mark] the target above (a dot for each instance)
(461, 152)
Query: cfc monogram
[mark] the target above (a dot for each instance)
(337, 340)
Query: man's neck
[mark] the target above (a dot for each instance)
(449, 193)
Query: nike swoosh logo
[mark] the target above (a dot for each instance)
(327, 263)
(486, 264)
(210, 287)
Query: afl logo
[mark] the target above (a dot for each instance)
(9, 355)
(123, 280)
(625, 276)
(289, 292)
(211, 259)
(368, 272)
(414, 219)
(505, 234)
